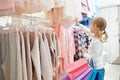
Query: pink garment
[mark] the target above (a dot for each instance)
(88, 6)
(27, 6)
(67, 50)
(67, 46)
(7, 11)
(6, 4)
(32, 6)
(19, 6)
(84, 6)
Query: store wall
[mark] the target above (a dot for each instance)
(104, 3)
(113, 32)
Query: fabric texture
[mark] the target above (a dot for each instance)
(81, 40)
(6, 4)
(4, 40)
(24, 64)
(5, 56)
(10, 67)
(67, 45)
(48, 53)
(72, 11)
(28, 56)
(18, 57)
(45, 63)
(35, 55)
(96, 51)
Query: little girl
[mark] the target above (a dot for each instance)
(96, 48)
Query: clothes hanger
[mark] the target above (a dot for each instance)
(7, 26)
(80, 26)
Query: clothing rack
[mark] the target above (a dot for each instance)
(27, 17)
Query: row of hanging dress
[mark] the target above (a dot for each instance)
(28, 54)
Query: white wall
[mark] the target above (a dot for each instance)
(113, 31)
(104, 3)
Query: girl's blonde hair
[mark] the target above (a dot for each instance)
(101, 24)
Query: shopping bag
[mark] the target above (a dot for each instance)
(66, 77)
(93, 75)
(75, 65)
(76, 68)
(84, 75)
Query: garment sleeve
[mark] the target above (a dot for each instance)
(87, 56)
(86, 30)
(94, 51)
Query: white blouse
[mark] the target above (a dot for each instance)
(96, 52)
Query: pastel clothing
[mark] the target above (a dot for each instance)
(96, 52)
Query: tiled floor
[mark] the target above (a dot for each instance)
(112, 72)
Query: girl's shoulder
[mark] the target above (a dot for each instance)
(96, 42)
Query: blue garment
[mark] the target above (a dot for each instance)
(91, 63)
(96, 74)
(85, 21)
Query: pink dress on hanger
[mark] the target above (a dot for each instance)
(67, 46)
(27, 6)
(72, 9)
(6, 6)
(35, 6)
(84, 6)
(19, 6)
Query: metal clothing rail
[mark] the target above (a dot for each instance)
(27, 17)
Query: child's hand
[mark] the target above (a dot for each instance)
(84, 50)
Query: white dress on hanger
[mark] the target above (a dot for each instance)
(72, 9)
(59, 3)
(46, 5)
